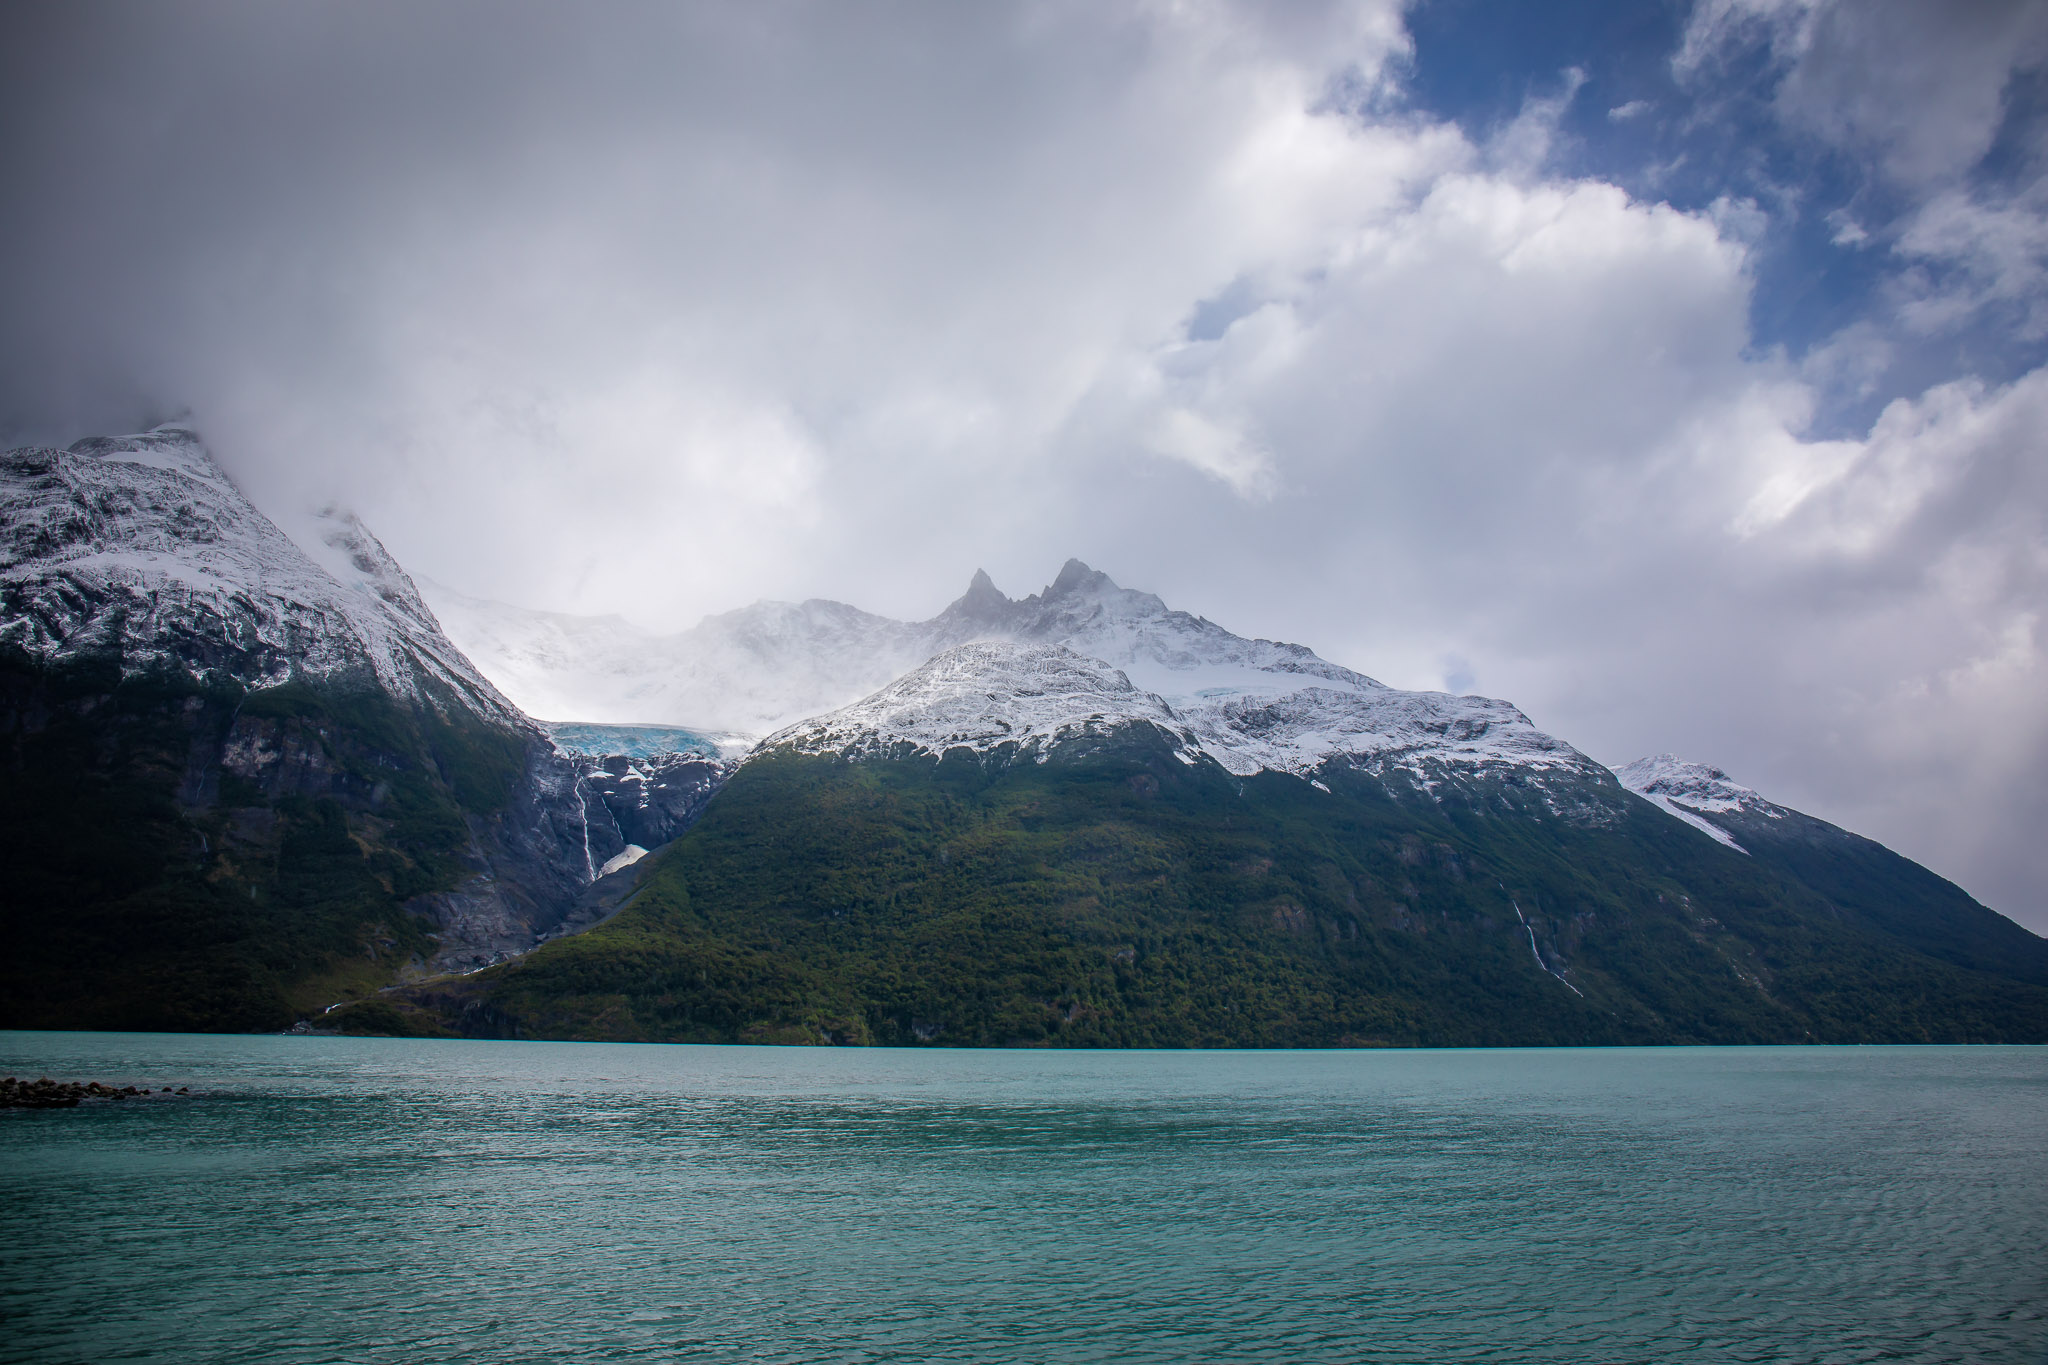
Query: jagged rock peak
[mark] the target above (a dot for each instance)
(1077, 577)
(1250, 704)
(983, 600)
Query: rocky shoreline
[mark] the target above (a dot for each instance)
(48, 1094)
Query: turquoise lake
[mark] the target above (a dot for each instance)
(371, 1200)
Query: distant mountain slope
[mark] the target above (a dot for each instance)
(241, 779)
(1859, 876)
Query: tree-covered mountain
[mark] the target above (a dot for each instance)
(1116, 895)
(1860, 876)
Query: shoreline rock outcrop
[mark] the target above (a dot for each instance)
(45, 1093)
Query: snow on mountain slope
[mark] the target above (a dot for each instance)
(1249, 704)
(142, 545)
(762, 667)
(980, 696)
(1686, 789)
(1257, 704)
(1300, 730)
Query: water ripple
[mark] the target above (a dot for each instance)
(386, 1201)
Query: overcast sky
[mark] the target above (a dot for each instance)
(1675, 371)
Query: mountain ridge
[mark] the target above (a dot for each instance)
(1254, 703)
(1111, 893)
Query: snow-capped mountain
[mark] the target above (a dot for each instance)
(1021, 841)
(143, 547)
(1687, 790)
(1255, 704)
(137, 557)
(840, 677)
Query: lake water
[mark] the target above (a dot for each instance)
(394, 1200)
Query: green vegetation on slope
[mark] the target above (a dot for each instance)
(1866, 879)
(151, 886)
(1122, 898)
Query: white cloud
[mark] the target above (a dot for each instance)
(1917, 87)
(1848, 232)
(1214, 448)
(1995, 249)
(1522, 147)
(1716, 27)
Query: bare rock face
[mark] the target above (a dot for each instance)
(652, 799)
(527, 864)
